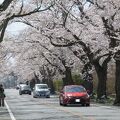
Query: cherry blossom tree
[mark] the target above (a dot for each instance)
(109, 13)
(15, 9)
(89, 29)
(75, 25)
(66, 26)
(57, 58)
(106, 13)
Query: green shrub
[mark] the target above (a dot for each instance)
(58, 85)
(77, 79)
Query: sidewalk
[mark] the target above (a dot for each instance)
(4, 114)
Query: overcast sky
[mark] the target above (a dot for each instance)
(1, 1)
(16, 28)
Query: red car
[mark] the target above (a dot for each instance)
(74, 94)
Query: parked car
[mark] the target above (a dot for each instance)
(24, 89)
(74, 94)
(41, 90)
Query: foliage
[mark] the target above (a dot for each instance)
(58, 85)
(77, 79)
(88, 30)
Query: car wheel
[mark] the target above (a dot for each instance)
(60, 102)
(64, 104)
(29, 93)
(20, 93)
(47, 96)
(83, 104)
(34, 97)
(87, 104)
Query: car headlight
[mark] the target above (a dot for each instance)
(48, 92)
(69, 95)
(87, 96)
(37, 92)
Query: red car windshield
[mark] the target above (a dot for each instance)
(75, 89)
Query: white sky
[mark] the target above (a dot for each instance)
(1, 1)
(16, 28)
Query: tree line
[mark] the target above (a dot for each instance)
(88, 30)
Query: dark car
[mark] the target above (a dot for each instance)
(74, 94)
(24, 89)
(41, 90)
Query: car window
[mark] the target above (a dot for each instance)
(26, 87)
(42, 87)
(75, 89)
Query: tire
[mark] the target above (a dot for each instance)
(83, 104)
(60, 103)
(20, 93)
(88, 104)
(64, 104)
(48, 97)
(34, 97)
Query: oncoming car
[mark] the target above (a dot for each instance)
(74, 94)
(24, 89)
(41, 90)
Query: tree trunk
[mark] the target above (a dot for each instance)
(117, 83)
(67, 80)
(32, 83)
(51, 85)
(102, 78)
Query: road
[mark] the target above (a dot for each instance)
(25, 107)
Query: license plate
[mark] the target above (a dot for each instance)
(77, 100)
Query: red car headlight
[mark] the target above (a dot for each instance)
(67, 96)
(86, 96)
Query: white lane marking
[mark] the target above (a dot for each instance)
(10, 112)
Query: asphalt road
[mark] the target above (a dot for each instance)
(25, 107)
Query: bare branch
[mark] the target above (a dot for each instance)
(21, 8)
(96, 3)
(32, 12)
(3, 26)
(5, 5)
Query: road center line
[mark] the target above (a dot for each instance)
(10, 112)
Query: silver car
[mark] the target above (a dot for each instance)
(41, 90)
(24, 89)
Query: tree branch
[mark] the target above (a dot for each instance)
(5, 5)
(3, 26)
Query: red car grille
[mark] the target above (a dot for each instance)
(72, 100)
